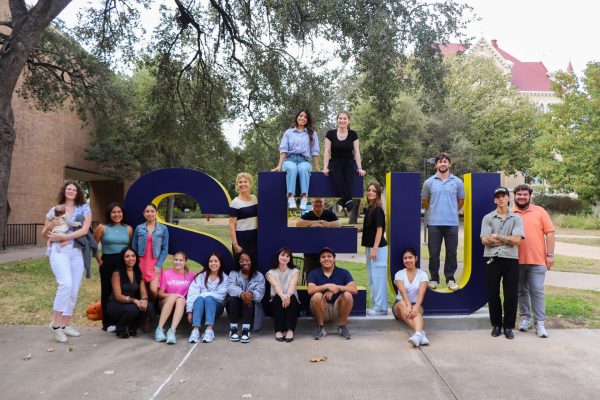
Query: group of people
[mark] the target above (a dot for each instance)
(135, 288)
(518, 248)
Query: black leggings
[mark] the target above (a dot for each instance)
(236, 309)
(284, 318)
(343, 172)
(127, 315)
(109, 265)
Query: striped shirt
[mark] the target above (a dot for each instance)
(246, 228)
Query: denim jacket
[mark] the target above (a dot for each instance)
(160, 242)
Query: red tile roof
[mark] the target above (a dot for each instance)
(526, 76)
(451, 48)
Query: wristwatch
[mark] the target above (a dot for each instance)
(551, 255)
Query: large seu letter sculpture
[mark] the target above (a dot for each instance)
(403, 202)
(208, 193)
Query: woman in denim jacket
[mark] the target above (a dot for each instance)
(151, 235)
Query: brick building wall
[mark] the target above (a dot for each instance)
(49, 148)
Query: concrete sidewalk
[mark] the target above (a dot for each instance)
(373, 365)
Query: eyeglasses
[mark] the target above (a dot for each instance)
(244, 261)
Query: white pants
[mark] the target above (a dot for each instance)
(67, 265)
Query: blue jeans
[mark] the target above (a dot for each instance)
(206, 306)
(296, 166)
(437, 234)
(531, 291)
(378, 282)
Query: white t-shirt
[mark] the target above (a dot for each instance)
(412, 288)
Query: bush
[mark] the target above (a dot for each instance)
(579, 221)
(561, 204)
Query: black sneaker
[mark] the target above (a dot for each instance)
(349, 205)
(233, 335)
(245, 336)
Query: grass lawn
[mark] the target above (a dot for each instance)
(582, 241)
(573, 308)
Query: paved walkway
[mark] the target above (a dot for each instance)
(577, 250)
(24, 253)
(373, 365)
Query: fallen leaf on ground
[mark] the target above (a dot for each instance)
(109, 372)
(27, 357)
(69, 349)
(50, 349)
(318, 358)
(246, 396)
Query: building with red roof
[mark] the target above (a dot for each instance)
(530, 78)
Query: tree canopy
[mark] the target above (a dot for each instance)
(567, 149)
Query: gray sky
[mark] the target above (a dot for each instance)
(554, 32)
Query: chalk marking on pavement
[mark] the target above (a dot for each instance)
(160, 388)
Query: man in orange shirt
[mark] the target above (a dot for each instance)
(536, 256)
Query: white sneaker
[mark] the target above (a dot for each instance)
(433, 284)
(111, 328)
(292, 203)
(70, 331)
(424, 340)
(525, 325)
(540, 329)
(59, 334)
(453, 286)
(209, 336)
(303, 203)
(195, 336)
(415, 339)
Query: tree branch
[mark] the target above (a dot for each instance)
(18, 9)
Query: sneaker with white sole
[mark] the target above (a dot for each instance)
(195, 336)
(453, 286)
(415, 339)
(159, 334)
(292, 203)
(233, 335)
(111, 328)
(540, 329)
(433, 284)
(525, 325)
(344, 332)
(245, 336)
(320, 332)
(303, 203)
(424, 340)
(70, 331)
(209, 336)
(59, 334)
(171, 336)
(372, 313)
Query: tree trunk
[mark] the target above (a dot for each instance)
(354, 214)
(28, 26)
(170, 206)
